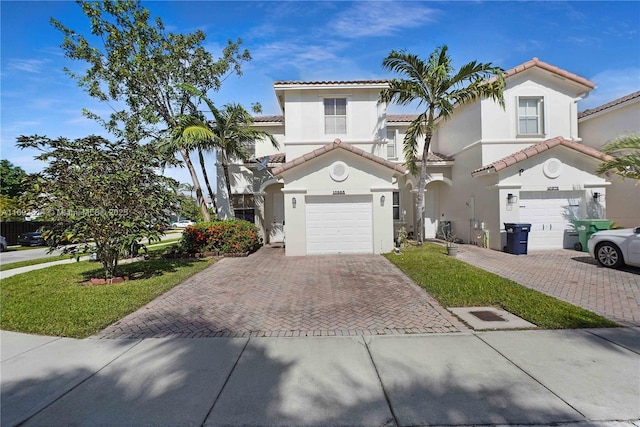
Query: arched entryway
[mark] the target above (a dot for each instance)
(273, 205)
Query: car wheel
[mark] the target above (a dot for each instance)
(608, 255)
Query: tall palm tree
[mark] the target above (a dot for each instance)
(438, 90)
(231, 132)
(625, 150)
(178, 142)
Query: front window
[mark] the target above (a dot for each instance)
(396, 206)
(391, 145)
(335, 116)
(530, 116)
(244, 207)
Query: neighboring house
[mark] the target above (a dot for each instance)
(338, 184)
(597, 127)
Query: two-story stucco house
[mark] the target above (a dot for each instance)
(597, 127)
(339, 184)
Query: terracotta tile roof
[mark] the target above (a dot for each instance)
(538, 148)
(394, 118)
(613, 103)
(273, 158)
(437, 157)
(335, 145)
(535, 62)
(331, 82)
(268, 119)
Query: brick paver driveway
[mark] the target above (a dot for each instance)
(268, 294)
(570, 276)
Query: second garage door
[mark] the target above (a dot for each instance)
(339, 224)
(550, 215)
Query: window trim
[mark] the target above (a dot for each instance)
(346, 114)
(541, 114)
(395, 144)
(394, 206)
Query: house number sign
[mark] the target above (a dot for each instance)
(338, 192)
(553, 188)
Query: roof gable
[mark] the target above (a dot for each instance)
(536, 149)
(535, 62)
(338, 145)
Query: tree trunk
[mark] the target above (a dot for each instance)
(421, 184)
(196, 184)
(225, 167)
(206, 180)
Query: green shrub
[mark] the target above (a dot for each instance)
(226, 237)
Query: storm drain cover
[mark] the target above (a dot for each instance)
(487, 316)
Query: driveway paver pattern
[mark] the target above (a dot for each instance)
(568, 275)
(268, 294)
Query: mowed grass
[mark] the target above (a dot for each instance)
(59, 301)
(457, 284)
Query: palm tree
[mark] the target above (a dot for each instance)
(231, 132)
(177, 142)
(438, 91)
(234, 133)
(625, 151)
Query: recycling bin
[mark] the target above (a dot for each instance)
(517, 237)
(585, 228)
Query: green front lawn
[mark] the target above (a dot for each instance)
(457, 284)
(59, 301)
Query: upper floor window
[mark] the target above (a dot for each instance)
(530, 116)
(392, 152)
(335, 116)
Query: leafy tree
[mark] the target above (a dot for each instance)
(138, 63)
(625, 151)
(11, 179)
(438, 90)
(105, 195)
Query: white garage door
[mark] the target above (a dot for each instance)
(338, 225)
(550, 214)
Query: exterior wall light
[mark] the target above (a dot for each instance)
(293, 202)
(382, 199)
(596, 196)
(511, 199)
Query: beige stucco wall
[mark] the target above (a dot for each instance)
(312, 179)
(623, 196)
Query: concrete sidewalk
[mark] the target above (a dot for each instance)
(582, 377)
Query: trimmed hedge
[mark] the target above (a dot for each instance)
(224, 237)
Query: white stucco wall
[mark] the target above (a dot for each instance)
(463, 129)
(312, 179)
(264, 146)
(304, 118)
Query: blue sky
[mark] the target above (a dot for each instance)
(316, 41)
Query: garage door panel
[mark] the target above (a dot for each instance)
(551, 216)
(339, 224)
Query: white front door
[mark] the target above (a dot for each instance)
(339, 224)
(430, 214)
(276, 235)
(551, 215)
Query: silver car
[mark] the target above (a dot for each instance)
(3, 244)
(614, 248)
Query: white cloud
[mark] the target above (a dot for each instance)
(382, 18)
(610, 85)
(28, 65)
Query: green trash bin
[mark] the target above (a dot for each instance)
(585, 228)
